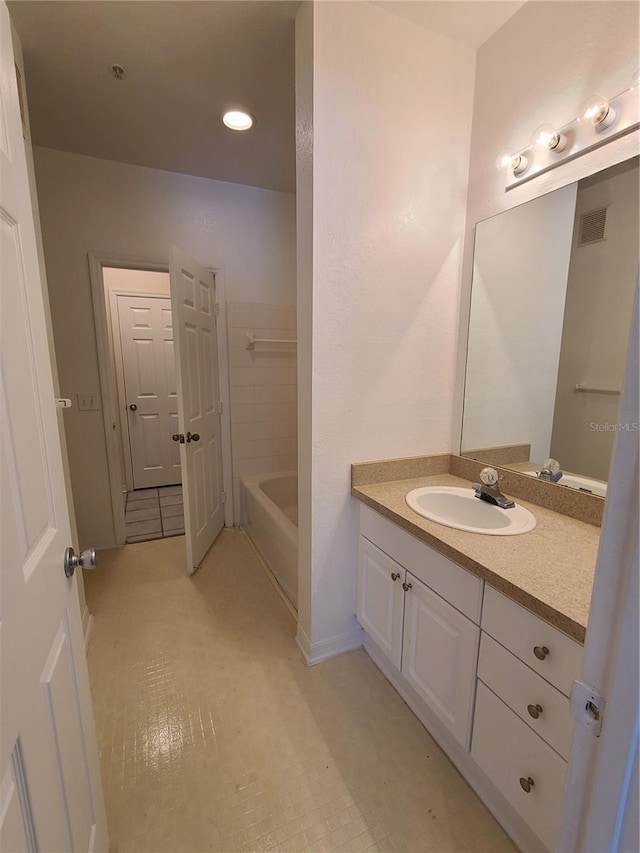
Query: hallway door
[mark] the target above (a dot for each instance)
(199, 408)
(151, 399)
(50, 788)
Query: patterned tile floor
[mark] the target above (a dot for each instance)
(154, 513)
(215, 736)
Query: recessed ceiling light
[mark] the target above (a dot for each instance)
(237, 120)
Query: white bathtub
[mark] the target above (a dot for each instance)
(270, 517)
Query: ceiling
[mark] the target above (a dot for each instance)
(471, 22)
(186, 62)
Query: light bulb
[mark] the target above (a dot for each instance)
(516, 163)
(547, 138)
(598, 111)
(237, 120)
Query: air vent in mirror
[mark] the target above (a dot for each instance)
(592, 225)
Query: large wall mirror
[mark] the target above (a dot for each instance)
(551, 306)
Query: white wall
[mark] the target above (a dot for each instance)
(539, 68)
(520, 270)
(391, 127)
(95, 205)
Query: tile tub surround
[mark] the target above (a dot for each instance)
(548, 570)
(263, 386)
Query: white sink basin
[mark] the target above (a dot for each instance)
(460, 508)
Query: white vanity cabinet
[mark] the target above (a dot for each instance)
(422, 612)
(522, 723)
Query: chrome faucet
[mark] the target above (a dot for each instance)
(489, 489)
(550, 471)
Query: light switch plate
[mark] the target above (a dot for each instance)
(88, 402)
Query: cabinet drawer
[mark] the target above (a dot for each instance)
(455, 584)
(507, 750)
(521, 632)
(521, 688)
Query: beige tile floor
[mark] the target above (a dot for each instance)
(214, 734)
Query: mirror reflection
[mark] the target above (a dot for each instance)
(551, 304)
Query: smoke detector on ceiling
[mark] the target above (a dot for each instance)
(118, 71)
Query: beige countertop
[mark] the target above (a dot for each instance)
(548, 570)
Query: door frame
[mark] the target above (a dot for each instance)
(110, 413)
(120, 398)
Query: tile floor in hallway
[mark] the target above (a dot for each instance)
(154, 513)
(215, 736)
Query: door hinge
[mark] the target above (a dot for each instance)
(587, 706)
(219, 407)
(216, 309)
(224, 497)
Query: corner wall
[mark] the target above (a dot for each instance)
(391, 128)
(91, 205)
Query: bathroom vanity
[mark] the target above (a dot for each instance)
(482, 636)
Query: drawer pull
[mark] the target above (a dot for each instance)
(395, 576)
(540, 652)
(406, 587)
(526, 784)
(534, 711)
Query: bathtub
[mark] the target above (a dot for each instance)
(270, 517)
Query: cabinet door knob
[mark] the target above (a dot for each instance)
(526, 784)
(540, 652)
(395, 576)
(406, 587)
(534, 711)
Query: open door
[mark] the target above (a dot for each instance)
(196, 352)
(50, 789)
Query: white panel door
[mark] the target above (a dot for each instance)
(146, 340)
(50, 789)
(439, 656)
(380, 599)
(194, 319)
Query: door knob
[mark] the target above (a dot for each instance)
(192, 436)
(178, 436)
(133, 407)
(86, 560)
(526, 783)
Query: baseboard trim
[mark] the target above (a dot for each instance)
(315, 653)
(87, 626)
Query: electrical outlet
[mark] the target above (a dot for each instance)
(88, 402)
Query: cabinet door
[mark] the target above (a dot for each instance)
(380, 600)
(439, 657)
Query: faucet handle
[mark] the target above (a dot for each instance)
(489, 476)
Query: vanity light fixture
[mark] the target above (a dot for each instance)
(237, 120)
(599, 121)
(598, 111)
